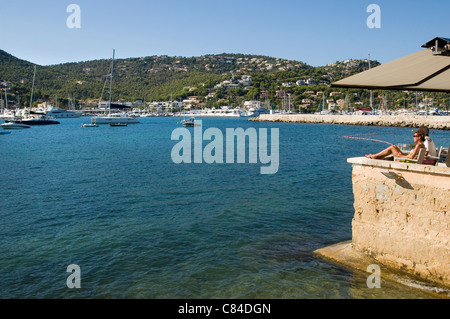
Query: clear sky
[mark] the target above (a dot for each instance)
(315, 32)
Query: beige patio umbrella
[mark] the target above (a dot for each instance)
(426, 70)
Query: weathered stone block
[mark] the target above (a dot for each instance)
(402, 216)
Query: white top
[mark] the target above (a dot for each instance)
(430, 146)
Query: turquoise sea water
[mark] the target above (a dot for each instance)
(110, 200)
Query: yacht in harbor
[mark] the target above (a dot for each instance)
(113, 117)
(61, 113)
(34, 120)
(224, 111)
(55, 112)
(228, 111)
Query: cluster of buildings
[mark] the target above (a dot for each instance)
(233, 84)
(300, 83)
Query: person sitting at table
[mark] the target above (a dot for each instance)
(429, 144)
(419, 138)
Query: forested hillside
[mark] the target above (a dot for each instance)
(161, 78)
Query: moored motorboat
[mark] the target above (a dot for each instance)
(190, 122)
(118, 124)
(12, 125)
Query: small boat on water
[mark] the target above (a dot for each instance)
(5, 132)
(257, 112)
(89, 125)
(118, 124)
(12, 125)
(190, 122)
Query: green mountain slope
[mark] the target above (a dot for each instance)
(159, 78)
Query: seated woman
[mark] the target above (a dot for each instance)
(419, 138)
(429, 144)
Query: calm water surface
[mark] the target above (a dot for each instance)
(111, 200)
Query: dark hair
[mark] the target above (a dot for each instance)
(421, 134)
(424, 129)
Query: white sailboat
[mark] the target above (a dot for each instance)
(6, 113)
(32, 119)
(113, 117)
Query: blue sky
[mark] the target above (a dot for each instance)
(315, 32)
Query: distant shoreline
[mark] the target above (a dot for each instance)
(432, 122)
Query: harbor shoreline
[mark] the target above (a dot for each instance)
(432, 122)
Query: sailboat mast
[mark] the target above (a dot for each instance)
(6, 99)
(32, 87)
(110, 82)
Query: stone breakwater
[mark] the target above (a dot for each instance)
(432, 122)
(401, 221)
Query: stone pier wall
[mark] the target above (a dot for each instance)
(433, 122)
(402, 216)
